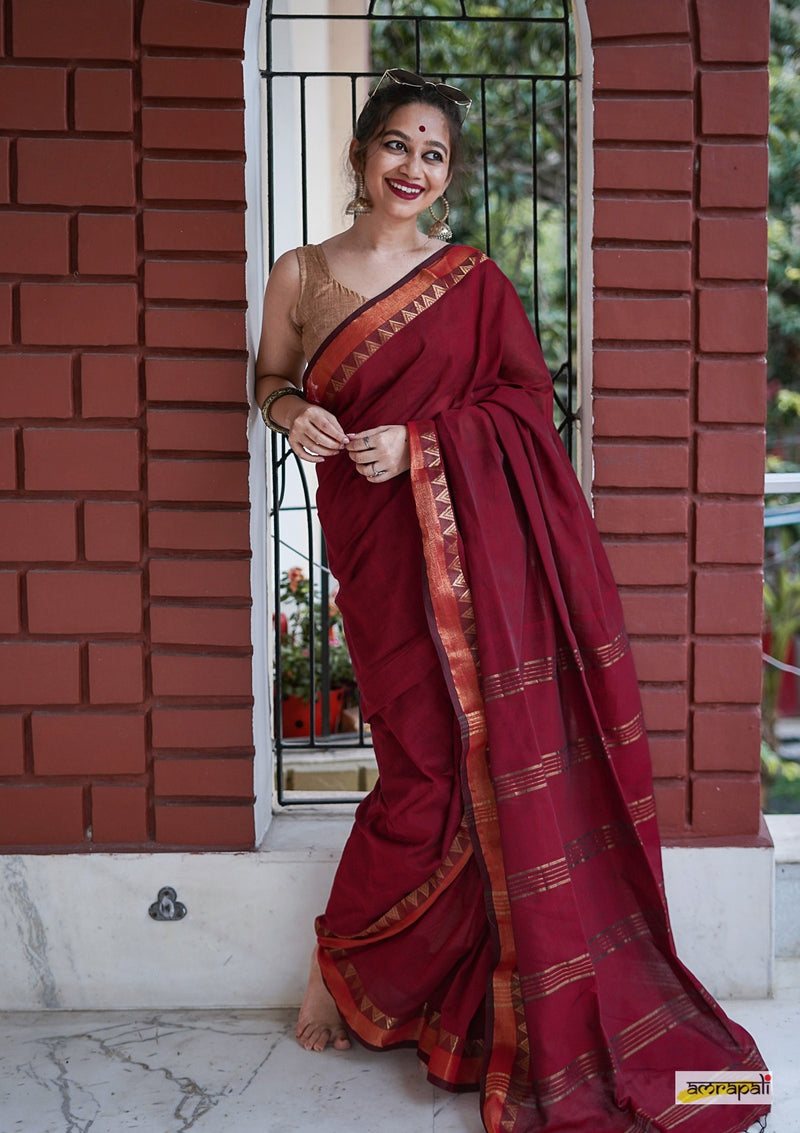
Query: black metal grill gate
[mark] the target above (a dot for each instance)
(520, 208)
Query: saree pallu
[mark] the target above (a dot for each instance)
(500, 901)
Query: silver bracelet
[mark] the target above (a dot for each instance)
(284, 391)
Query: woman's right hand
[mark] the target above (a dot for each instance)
(314, 433)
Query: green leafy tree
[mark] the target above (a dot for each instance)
(516, 134)
(784, 220)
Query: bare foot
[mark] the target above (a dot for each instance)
(319, 1022)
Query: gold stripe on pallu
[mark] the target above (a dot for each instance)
(540, 670)
(533, 777)
(630, 928)
(604, 656)
(629, 733)
(539, 984)
(538, 879)
(381, 320)
(642, 810)
(512, 681)
(653, 1025)
(559, 1085)
(515, 783)
(609, 836)
(553, 874)
(598, 841)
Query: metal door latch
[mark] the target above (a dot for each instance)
(167, 907)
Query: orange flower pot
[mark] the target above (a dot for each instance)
(296, 714)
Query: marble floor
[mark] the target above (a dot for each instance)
(242, 1072)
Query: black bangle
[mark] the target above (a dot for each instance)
(282, 392)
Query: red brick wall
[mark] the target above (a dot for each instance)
(681, 115)
(125, 694)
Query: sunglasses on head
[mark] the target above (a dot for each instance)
(410, 79)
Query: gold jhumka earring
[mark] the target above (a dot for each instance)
(360, 204)
(440, 229)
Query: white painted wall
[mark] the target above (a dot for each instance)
(255, 277)
(75, 930)
(585, 64)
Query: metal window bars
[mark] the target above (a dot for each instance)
(320, 58)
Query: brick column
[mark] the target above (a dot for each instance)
(125, 691)
(681, 116)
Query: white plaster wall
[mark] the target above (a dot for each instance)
(722, 909)
(585, 266)
(262, 724)
(75, 930)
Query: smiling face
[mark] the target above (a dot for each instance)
(407, 165)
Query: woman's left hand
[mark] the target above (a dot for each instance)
(381, 453)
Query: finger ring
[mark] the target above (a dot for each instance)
(367, 443)
(377, 473)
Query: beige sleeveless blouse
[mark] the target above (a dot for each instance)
(323, 303)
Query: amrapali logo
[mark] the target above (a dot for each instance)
(722, 1087)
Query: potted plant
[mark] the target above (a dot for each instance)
(295, 637)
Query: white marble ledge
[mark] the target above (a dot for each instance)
(308, 833)
(785, 832)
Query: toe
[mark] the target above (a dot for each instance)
(322, 1037)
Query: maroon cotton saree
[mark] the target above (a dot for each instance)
(500, 902)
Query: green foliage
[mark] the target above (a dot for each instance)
(776, 768)
(782, 611)
(516, 133)
(781, 781)
(784, 215)
(295, 606)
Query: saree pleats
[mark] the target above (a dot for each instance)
(500, 902)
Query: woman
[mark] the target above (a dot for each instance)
(499, 903)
